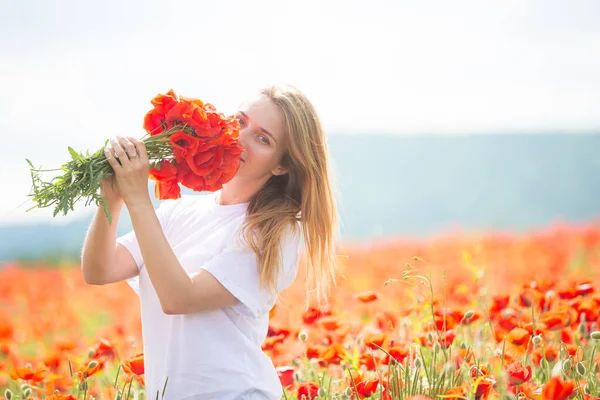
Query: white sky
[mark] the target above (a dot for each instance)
(77, 72)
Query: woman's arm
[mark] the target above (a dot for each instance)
(102, 261)
(178, 292)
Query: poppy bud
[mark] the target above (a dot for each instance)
(469, 314)
(418, 362)
(321, 392)
(581, 368)
(93, 364)
(566, 366)
(303, 336)
(595, 335)
(8, 394)
(537, 339)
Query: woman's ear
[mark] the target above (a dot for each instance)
(279, 170)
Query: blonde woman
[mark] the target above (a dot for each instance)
(209, 268)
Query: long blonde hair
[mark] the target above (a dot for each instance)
(304, 194)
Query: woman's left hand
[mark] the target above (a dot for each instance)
(129, 160)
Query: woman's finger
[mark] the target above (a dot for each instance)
(128, 147)
(111, 159)
(120, 153)
(140, 146)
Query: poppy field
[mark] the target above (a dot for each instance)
(490, 316)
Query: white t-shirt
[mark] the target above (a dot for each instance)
(215, 354)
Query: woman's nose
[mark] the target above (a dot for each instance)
(243, 136)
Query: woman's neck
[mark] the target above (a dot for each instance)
(236, 192)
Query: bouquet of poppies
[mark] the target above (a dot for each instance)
(188, 142)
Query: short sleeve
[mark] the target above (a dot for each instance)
(129, 241)
(236, 269)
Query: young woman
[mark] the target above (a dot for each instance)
(209, 268)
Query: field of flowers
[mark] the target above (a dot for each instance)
(484, 317)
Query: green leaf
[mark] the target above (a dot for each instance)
(76, 156)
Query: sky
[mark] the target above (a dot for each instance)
(75, 73)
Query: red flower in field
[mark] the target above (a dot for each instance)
(584, 288)
(375, 340)
(314, 351)
(311, 315)
(90, 369)
(529, 297)
(456, 392)
(516, 342)
(499, 303)
(307, 391)
(517, 373)
(368, 360)
(330, 322)
(508, 319)
(274, 331)
(556, 319)
(368, 387)
(398, 353)
(484, 387)
(134, 365)
(6, 327)
(386, 321)
(103, 349)
(551, 351)
(334, 353)
(443, 322)
(61, 397)
(367, 297)
(447, 338)
(271, 341)
(587, 308)
(53, 360)
(286, 375)
(28, 374)
(557, 389)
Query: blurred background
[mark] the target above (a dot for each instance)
(461, 116)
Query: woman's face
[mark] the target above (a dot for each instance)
(263, 139)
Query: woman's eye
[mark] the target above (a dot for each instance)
(241, 121)
(264, 140)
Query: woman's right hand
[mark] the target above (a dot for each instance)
(109, 188)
